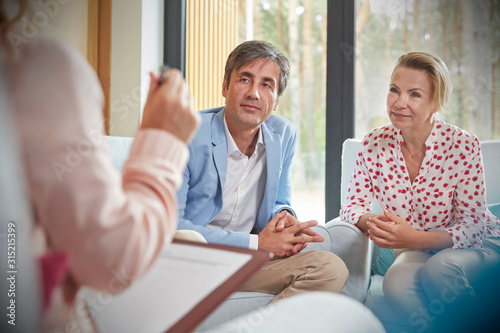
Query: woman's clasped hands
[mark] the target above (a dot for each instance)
(390, 231)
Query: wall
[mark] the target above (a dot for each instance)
(137, 48)
(65, 20)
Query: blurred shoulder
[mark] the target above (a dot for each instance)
(48, 64)
(49, 54)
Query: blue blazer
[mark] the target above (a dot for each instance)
(200, 197)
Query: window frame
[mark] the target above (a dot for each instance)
(174, 36)
(341, 46)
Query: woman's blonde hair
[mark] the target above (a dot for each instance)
(436, 69)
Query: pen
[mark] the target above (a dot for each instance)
(163, 73)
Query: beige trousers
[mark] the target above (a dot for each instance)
(300, 273)
(285, 277)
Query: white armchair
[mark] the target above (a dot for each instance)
(359, 253)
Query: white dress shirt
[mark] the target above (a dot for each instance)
(243, 189)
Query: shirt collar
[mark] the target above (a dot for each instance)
(231, 145)
(432, 138)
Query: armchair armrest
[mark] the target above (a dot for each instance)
(355, 249)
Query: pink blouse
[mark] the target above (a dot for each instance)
(447, 194)
(110, 225)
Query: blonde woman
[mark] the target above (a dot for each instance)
(428, 176)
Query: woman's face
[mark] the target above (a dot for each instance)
(410, 102)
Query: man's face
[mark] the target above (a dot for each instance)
(252, 94)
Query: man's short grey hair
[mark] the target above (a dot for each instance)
(253, 50)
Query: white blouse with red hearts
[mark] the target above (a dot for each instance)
(447, 194)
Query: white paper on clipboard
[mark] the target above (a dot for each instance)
(186, 283)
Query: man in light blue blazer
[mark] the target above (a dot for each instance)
(237, 185)
(200, 197)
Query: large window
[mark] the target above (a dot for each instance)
(365, 38)
(298, 29)
(465, 34)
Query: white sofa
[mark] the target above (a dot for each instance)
(359, 253)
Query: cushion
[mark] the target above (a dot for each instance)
(120, 149)
(491, 159)
(384, 261)
(495, 209)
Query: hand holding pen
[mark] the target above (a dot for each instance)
(163, 73)
(170, 105)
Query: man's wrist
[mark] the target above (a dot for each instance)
(291, 212)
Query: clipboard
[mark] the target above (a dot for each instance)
(186, 283)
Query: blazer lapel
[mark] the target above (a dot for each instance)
(219, 146)
(273, 156)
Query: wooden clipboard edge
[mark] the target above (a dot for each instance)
(194, 317)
